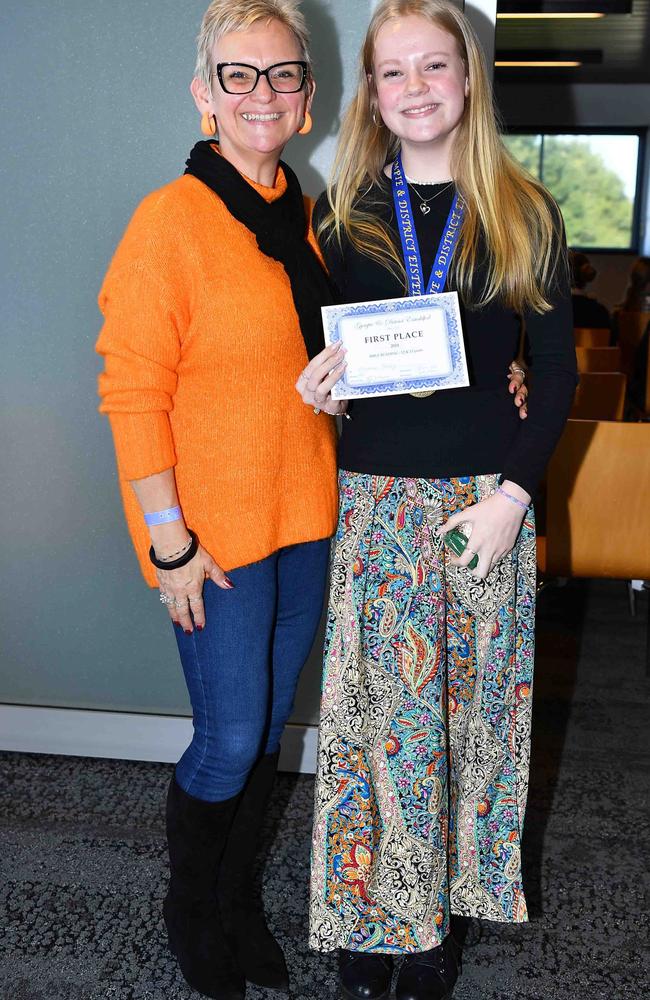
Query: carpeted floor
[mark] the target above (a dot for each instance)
(83, 857)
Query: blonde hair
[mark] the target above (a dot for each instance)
(223, 16)
(504, 205)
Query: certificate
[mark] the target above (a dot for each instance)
(395, 346)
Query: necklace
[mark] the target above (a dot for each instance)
(424, 202)
(412, 180)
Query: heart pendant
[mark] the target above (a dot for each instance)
(424, 209)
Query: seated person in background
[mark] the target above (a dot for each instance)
(637, 295)
(637, 389)
(587, 311)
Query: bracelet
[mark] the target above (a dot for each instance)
(177, 554)
(163, 516)
(504, 493)
(182, 560)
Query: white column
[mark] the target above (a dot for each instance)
(483, 15)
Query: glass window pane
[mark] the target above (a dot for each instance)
(593, 179)
(526, 150)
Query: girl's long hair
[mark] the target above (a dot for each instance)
(504, 205)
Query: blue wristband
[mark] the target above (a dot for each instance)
(504, 493)
(163, 516)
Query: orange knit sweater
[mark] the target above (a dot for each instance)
(203, 346)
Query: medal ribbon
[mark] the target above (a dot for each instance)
(410, 245)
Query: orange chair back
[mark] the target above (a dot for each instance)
(598, 502)
(598, 359)
(600, 396)
(591, 337)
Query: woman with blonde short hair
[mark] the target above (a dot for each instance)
(212, 308)
(425, 718)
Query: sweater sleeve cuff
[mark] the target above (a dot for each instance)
(529, 483)
(143, 443)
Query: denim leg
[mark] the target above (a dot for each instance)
(302, 576)
(227, 669)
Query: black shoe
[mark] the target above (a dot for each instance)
(196, 835)
(365, 976)
(256, 950)
(429, 975)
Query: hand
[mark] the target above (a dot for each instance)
(184, 589)
(495, 524)
(315, 383)
(516, 376)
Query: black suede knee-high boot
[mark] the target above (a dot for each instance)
(256, 950)
(197, 833)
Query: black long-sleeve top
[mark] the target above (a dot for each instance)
(467, 431)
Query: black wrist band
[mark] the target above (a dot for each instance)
(182, 560)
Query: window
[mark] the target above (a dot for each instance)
(594, 177)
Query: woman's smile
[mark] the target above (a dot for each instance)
(259, 118)
(420, 111)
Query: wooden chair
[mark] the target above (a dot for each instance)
(631, 327)
(597, 501)
(591, 336)
(598, 359)
(599, 396)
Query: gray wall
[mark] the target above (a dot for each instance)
(95, 112)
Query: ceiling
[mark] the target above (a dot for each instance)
(623, 39)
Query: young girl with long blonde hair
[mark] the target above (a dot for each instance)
(425, 725)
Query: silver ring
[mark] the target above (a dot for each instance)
(194, 600)
(166, 599)
(514, 371)
(181, 604)
(316, 410)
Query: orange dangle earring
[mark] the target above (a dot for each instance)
(307, 125)
(208, 124)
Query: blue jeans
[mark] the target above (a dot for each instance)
(242, 670)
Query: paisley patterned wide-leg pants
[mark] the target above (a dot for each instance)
(425, 723)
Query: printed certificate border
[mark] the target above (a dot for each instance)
(448, 301)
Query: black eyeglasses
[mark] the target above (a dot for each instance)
(240, 78)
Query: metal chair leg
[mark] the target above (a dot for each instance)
(631, 598)
(646, 587)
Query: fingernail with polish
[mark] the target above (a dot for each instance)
(199, 628)
(229, 582)
(188, 631)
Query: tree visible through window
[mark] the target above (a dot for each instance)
(593, 178)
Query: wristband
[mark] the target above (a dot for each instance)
(504, 493)
(182, 560)
(163, 516)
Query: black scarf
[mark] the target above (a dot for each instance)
(280, 228)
